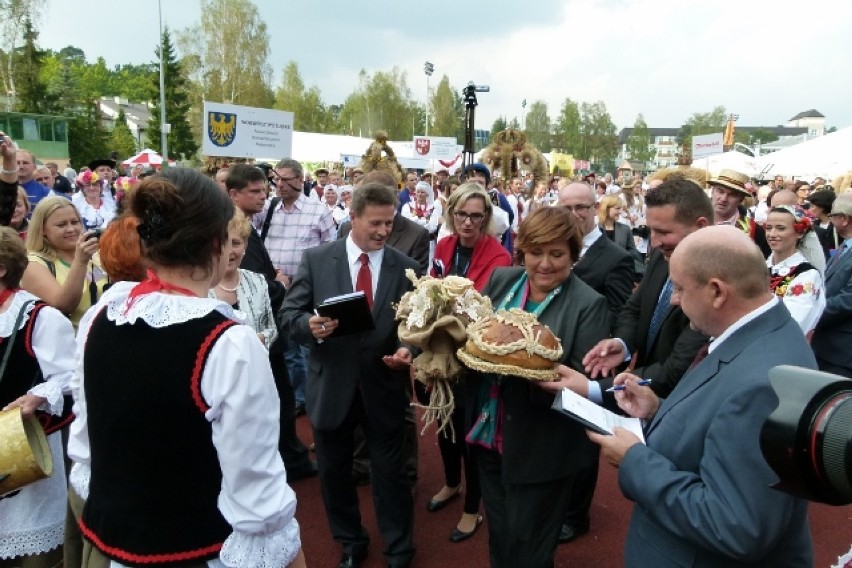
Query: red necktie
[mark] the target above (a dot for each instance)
(364, 280)
(700, 356)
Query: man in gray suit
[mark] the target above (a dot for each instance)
(700, 483)
(833, 333)
(358, 379)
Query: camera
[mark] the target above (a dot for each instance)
(96, 234)
(807, 440)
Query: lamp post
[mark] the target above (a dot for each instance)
(428, 68)
(164, 134)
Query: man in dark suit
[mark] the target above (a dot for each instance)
(358, 379)
(246, 186)
(833, 334)
(651, 329)
(608, 269)
(412, 240)
(603, 265)
(703, 490)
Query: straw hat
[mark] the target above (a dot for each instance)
(733, 180)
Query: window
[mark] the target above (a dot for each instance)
(45, 131)
(16, 127)
(60, 131)
(30, 129)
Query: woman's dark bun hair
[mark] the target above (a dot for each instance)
(183, 217)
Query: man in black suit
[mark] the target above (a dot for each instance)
(608, 269)
(603, 265)
(833, 333)
(358, 379)
(246, 186)
(651, 329)
(412, 240)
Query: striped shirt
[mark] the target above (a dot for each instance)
(306, 224)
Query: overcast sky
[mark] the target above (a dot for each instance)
(765, 60)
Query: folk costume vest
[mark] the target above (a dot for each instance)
(155, 475)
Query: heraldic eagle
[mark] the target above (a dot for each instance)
(221, 128)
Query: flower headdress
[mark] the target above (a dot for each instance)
(801, 222)
(87, 177)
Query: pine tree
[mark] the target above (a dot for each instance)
(122, 140)
(32, 95)
(181, 143)
(86, 138)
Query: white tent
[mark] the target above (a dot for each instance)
(826, 156)
(732, 160)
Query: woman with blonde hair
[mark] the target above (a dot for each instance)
(22, 209)
(470, 250)
(62, 269)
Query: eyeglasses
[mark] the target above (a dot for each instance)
(276, 178)
(474, 218)
(830, 215)
(577, 208)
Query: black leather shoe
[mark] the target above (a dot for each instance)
(310, 471)
(352, 560)
(458, 536)
(571, 533)
(435, 505)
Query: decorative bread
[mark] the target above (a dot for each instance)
(512, 342)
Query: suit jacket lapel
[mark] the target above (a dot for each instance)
(341, 263)
(716, 361)
(397, 231)
(385, 276)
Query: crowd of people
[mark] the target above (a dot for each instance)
(175, 314)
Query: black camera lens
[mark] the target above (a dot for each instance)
(807, 440)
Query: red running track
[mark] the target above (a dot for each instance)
(831, 527)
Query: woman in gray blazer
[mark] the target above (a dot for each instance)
(609, 210)
(528, 477)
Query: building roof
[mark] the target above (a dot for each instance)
(776, 130)
(813, 113)
(138, 113)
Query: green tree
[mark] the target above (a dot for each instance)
(310, 114)
(701, 123)
(231, 47)
(15, 13)
(383, 101)
(134, 81)
(599, 135)
(86, 138)
(538, 126)
(568, 137)
(498, 126)
(32, 95)
(446, 111)
(96, 80)
(121, 140)
(639, 146)
(181, 141)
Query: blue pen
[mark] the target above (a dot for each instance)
(642, 383)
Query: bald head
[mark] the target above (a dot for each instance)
(784, 197)
(725, 253)
(579, 198)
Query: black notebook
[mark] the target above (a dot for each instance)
(351, 311)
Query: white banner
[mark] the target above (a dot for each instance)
(706, 145)
(435, 148)
(247, 132)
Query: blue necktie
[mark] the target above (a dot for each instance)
(659, 313)
(838, 253)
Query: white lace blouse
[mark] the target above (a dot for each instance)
(804, 295)
(244, 413)
(33, 521)
(255, 306)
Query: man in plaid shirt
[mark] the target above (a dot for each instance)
(297, 223)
